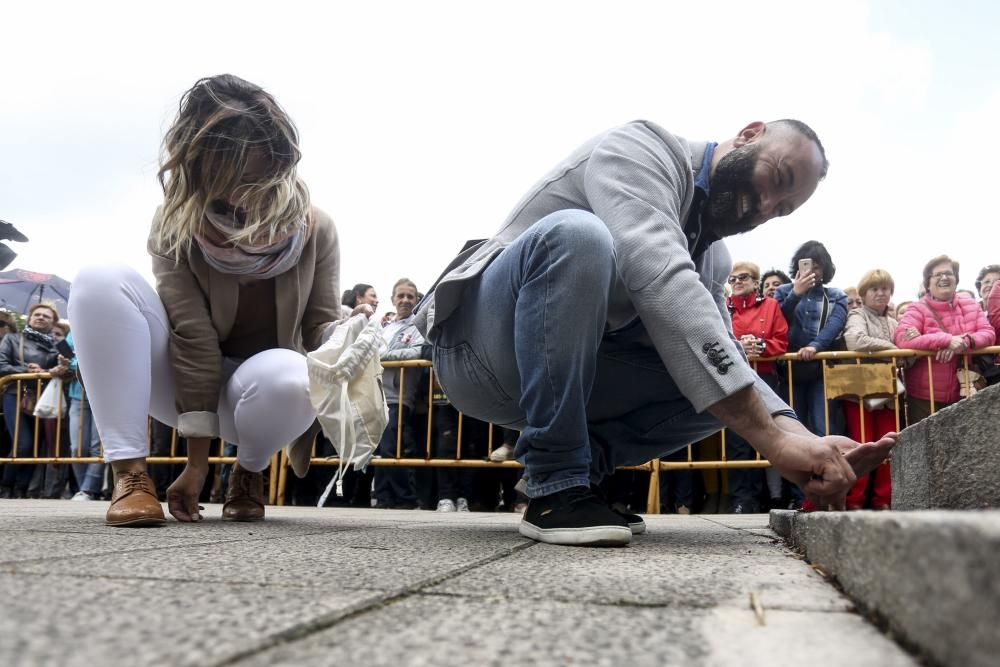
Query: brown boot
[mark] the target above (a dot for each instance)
(134, 502)
(244, 496)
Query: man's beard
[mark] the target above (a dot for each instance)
(733, 177)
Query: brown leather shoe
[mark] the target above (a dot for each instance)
(244, 496)
(134, 502)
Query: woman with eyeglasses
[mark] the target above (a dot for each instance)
(948, 323)
(247, 280)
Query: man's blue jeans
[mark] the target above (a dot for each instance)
(527, 349)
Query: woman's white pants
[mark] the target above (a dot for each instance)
(121, 333)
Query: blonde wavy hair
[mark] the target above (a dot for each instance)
(225, 127)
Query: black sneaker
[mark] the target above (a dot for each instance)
(575, 517)
(634, 521)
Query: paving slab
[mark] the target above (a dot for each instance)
(374, 587)
(653, 572)
(72, 620)
(444, 631)
(933, 576)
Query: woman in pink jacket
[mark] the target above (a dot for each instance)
(948, 323)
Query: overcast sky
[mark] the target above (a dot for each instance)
(423, 123)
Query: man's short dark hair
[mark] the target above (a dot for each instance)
(809, 134)
(818, 253)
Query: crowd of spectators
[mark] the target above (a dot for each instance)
(799, 312)
(819, 317)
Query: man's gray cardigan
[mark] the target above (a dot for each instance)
(639, 180)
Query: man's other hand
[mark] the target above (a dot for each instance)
(826, 468)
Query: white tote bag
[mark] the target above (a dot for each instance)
(345, 387)
(51, 403)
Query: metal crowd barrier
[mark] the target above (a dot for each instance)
(870, 374)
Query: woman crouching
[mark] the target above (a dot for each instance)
(247, 278)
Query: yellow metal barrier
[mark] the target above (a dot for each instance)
(870, 374)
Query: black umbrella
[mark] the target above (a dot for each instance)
(9, 233)
(20, 289)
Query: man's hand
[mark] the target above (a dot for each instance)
(867, 456)
(827, 467)
(818, 466)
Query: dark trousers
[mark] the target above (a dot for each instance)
(746, 484)
(917, 409)
(395, 486)
(678, 483)
(453, 483)
(19, 475)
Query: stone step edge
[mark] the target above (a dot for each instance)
(932, 577)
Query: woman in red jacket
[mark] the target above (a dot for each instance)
(762, 331)
(944, 321)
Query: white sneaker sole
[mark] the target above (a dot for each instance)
(591, 536)
(637, 527)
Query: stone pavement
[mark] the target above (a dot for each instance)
(376, 587)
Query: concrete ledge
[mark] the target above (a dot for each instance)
(933, 576)
(951, 460)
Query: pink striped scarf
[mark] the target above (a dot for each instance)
(262, 260)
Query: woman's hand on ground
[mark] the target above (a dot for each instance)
(182, 495)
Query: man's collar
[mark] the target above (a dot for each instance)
(703, 179)
(700, 238)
